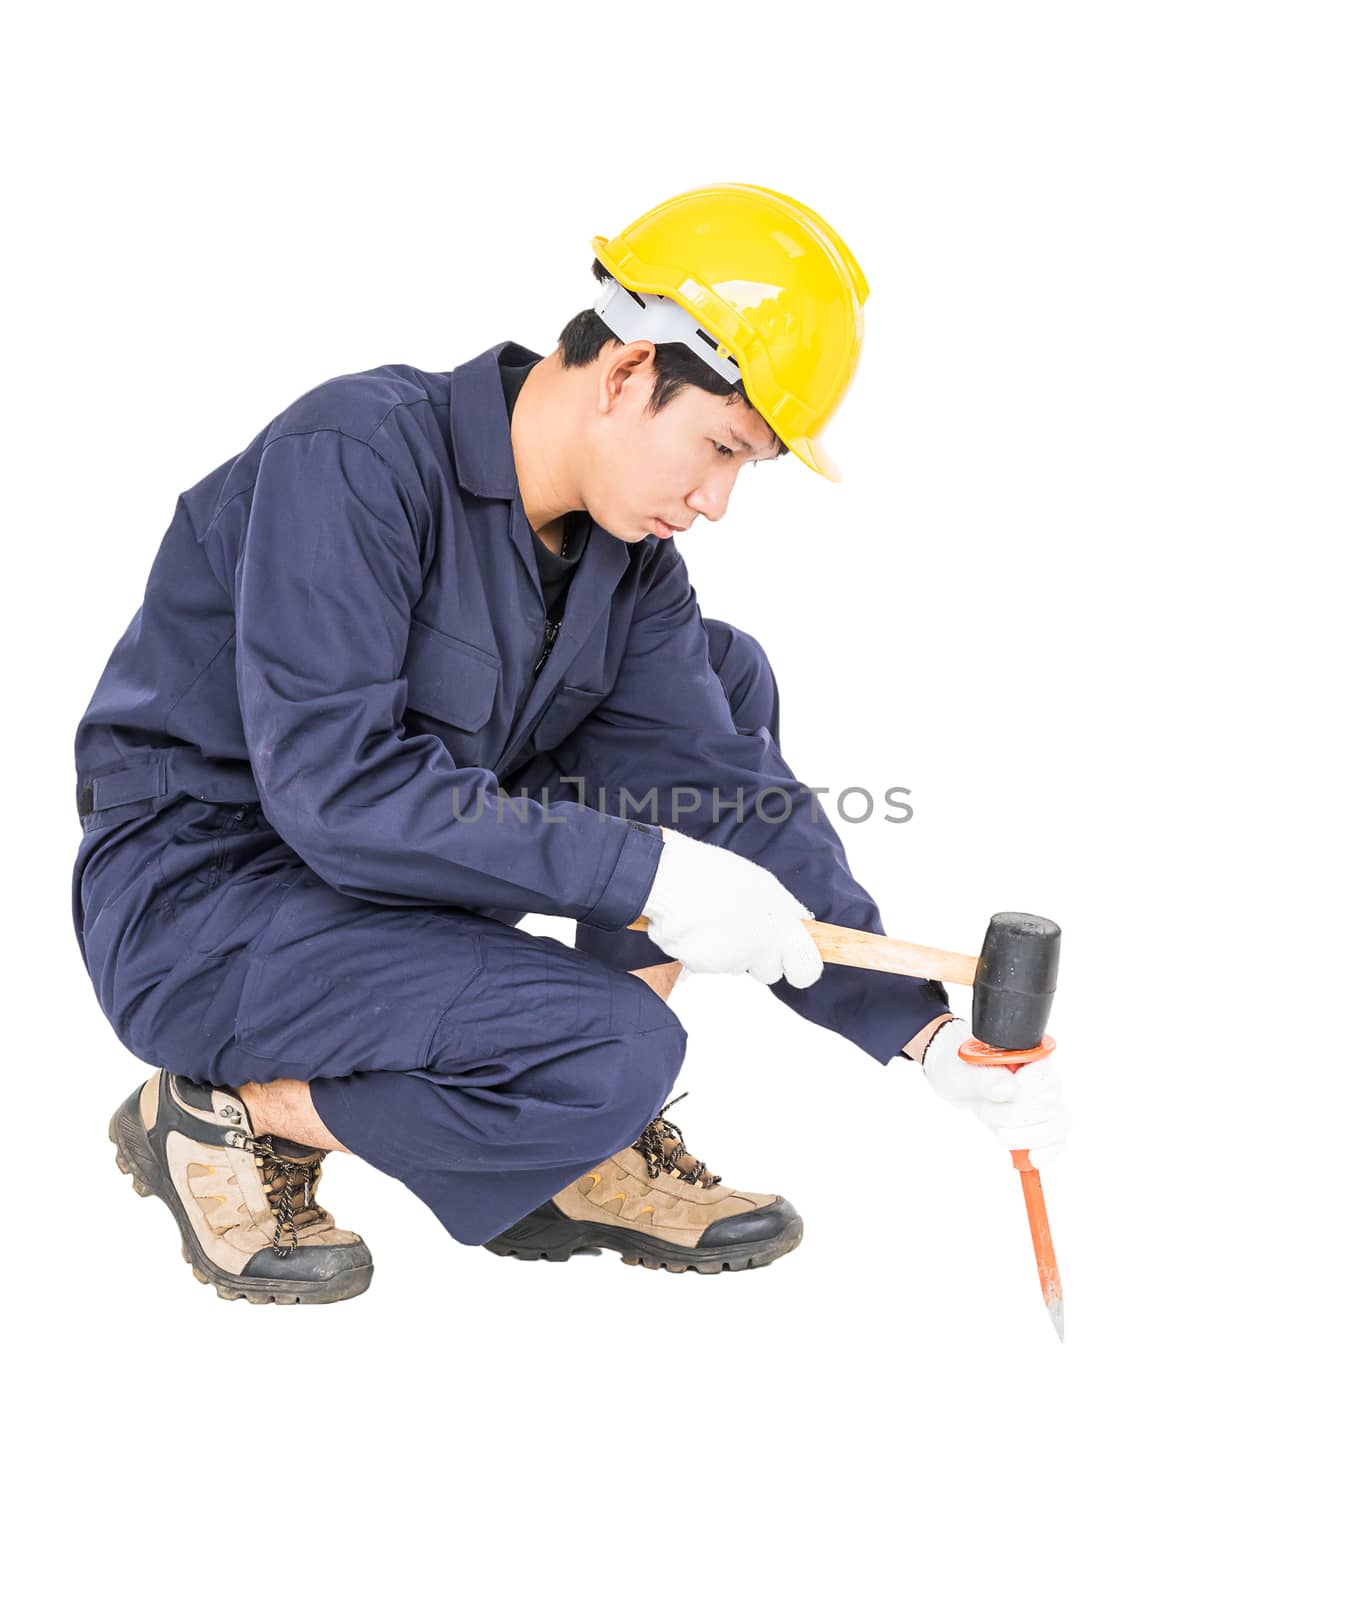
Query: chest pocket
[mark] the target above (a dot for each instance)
(567, 708)
(450, 681)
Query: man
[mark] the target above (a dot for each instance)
(422, 659)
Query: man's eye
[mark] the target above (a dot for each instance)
(722, 449)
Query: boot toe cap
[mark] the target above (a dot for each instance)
(753, 1227)
(316, 1263)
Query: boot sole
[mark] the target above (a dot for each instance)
(542, 1240)
(134, 1157)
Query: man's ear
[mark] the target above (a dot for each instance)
(633, 362)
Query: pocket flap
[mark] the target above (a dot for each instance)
(449, 679)
(567, 708)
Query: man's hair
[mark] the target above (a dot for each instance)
(676, 366)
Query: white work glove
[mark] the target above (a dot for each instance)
(1024, 1110)
(715, 911)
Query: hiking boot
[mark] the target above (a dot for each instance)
(657, 1205)
(245, 1204)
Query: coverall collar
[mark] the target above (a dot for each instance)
(484, 459)
(482, 449)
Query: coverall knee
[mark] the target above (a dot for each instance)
(746, 675)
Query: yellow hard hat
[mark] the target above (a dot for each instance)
(772, 283)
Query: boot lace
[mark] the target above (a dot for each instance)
(290, 1186)
(658, 1159)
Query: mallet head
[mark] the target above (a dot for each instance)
(1015, 980)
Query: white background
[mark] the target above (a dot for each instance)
(1085, 591)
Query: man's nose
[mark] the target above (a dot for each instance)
(712, 496)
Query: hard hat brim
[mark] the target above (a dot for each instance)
(816, 457)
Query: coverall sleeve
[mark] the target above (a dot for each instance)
(667, 726)
(326, 576)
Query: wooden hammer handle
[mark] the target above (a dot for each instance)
(850, 947)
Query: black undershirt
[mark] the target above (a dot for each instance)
(554, 571)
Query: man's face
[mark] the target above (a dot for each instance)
(676, 466)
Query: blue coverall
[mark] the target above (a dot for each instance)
(332, 762)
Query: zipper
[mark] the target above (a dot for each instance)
(548, 640)
(217, 864)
